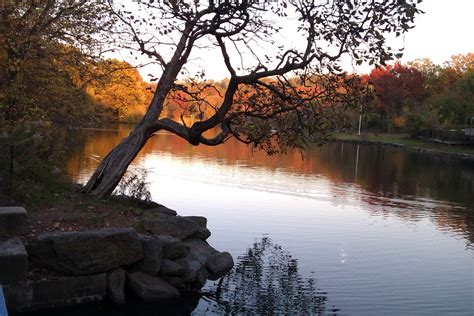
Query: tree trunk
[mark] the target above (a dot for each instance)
(112, 168)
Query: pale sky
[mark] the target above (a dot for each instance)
(446, 29)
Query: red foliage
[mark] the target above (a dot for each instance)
(397, 86)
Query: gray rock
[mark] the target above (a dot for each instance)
(172, 269)
(220, 263)
(172, 247)
(175, 226)
(152, 254)
(194, 262)
(13, 221)
(163, 210)
(47, 294)
(201, 221)
(177, 282)
(151, 289)
(200, 249)
(192, 265)
(89, 252)
(116, 285)
(13, 261)
(201, 278)
(202, 233)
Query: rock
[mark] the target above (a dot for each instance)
(172, 269)
(177, 282)
(175, 226)
(201, 221)
(194, 262)
(220, 263)
(48, 294)
(200, 249)
(172, 247)
(13, 261)
(152, 255)
(163, 210)
(192, 265)
(151, 289)
(201, 278)
(116, 286)
(89, 252)
(13, 221)
(202, 233)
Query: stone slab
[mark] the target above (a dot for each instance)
(87, 252)
(13, 221)
(13, 260)
(47, 294)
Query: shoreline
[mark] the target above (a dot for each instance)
(355, 139)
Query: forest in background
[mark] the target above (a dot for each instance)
(53, 68)
(71, 88)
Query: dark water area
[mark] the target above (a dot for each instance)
(343, 229)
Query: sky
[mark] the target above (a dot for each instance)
(444, 30)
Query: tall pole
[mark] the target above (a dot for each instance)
(360, 119)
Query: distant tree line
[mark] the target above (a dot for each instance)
(422, 95)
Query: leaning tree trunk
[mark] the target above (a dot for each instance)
(112, 168)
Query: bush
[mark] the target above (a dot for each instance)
(415, 124)
(134, 184)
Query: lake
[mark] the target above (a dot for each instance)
(341, 229)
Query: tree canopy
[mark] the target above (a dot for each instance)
(289, 79)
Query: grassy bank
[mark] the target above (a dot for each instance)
(404, 141)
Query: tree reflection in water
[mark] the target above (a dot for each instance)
(266, 281)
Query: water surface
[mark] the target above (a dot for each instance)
(341, 229)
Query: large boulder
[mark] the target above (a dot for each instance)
(202, 233)
(172, 247)
(201, 221)
(116, 285)
(89, 252)
(163, 210)
(175, 226)
(200, 249)
(152, 254)
(13, 260)
(192, 265)
(13, 221)
(151, 289)
(194, 262)
(219, 264)
(48, 294)
(172, 269)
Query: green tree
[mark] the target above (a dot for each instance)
(34, 37)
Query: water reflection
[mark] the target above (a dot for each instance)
(382, 181)
(266, 281)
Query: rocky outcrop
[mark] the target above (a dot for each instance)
(151, 289)
(13, 260)
(113, 262)
(172, 269)
(89, 252)
(163, 210)
(203, 232)
(172, 247)
(175, 226)
(46, 294)
(219, 264)
(152, 255)
(12, 221)
(116, 286)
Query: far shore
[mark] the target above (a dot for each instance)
(406, 142)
